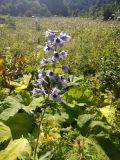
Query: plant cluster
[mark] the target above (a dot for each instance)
(45, 111)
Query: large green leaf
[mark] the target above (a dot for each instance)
(5, 133)
(83, 119)
(81, 96)
(75, 93)
(36, 102)
(15, 150)
(21, 124)
(13, 106)
(101, 124)
(109, 112)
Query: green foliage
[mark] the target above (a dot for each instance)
(16, 149)
(85, 125)
(83, 119)
(4, 93)
(45, 156)
(91, 150)
(110, 73)
(59, 7)
(12, 106)
(22, 83)
(24, 124)
(5, 133)
(24, 7)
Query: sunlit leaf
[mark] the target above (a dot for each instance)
(13, 105)
(5, 132)
(2, 65)
(21, 124)
(101, 124)
(83, 119)
(36, 102)
(109, 113)
(58, 70)
(15, 149)
(21, 84)
(2, 59)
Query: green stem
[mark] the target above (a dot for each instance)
(38, 135)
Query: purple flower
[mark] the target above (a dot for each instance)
(51, 75)
(42, 74)
(63, 54)
(42, 81)
(50, 35)
(65, 68)
(56, 57)
(64, 36)
(47, 79)
(55, 94)
(47, 49)
(37, 91)
(62, 81)
(44, 61)
(55, 91)
(50, 60)
(58, 42)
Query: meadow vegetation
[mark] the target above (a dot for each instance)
(85, 124)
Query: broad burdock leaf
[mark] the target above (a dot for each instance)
(101, 124)
(81, 96)
(109, 112)
(36, 102)
(83, 119)
(21, 124)
(15, 150)
(5, 133)
(13, 106)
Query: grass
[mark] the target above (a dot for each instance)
(86, 124)
(90, 39)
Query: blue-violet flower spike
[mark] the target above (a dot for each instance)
(56, 57)
(63, 54)
(51, 75)
(41, 74)
(55, 94)
(65, 68)
(64, 36)
(37, 91)
(47, 49)
(58, 42)
(50, 35)
(44, 61)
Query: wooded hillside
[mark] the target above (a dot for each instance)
(57, 7)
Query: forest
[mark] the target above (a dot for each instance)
(57, 7)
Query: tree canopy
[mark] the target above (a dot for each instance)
(56, 7)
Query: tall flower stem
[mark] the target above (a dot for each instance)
(49, 83)
(39, 130)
